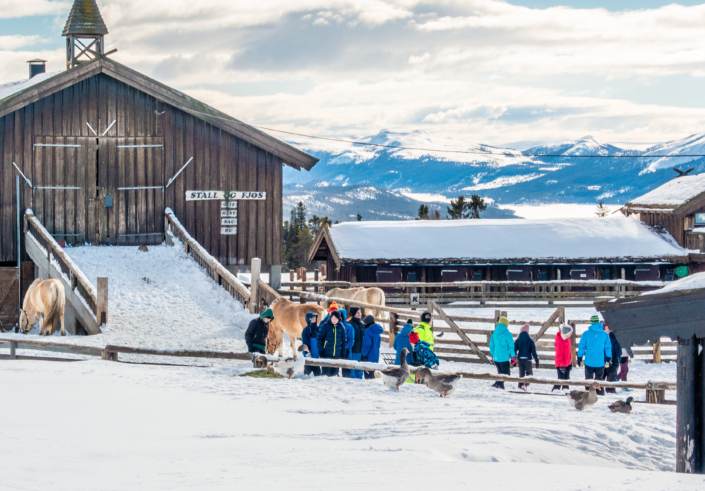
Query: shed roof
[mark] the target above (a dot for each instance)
(85, 18)
(17, 95)
(490, 241)
(677, 196)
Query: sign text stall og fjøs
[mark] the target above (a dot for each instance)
(228, 208)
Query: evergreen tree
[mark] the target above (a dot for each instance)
(476, 205)
(602, 211)
(302, 246)
(315, 224)
(436, 215)
(423, 212)
(458, 209)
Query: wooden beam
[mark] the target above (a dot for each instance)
(460, 333)
(555, 315)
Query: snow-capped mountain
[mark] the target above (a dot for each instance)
(448, 167)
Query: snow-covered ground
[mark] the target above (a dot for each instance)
(97, 425)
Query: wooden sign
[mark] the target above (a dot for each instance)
(224, 195)
(228, 204)
(228, 213)
(228, 221)
(228, 230)
(414, 298)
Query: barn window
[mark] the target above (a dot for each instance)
(700, 219)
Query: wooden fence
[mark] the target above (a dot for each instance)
(210, 264)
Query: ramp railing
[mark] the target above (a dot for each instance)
(210, 264)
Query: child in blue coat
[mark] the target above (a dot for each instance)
(350, 341)
(309, 337)
(401, 341)
(371, 342)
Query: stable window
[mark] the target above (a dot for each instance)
(700, 219)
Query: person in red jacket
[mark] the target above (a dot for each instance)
(564, 356)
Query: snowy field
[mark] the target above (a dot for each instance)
(98, 425)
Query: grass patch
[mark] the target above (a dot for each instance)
(261, 374)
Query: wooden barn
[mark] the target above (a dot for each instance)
(102, 150)
(498, 250)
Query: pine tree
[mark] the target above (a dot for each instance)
(602, 211)
(458, 209)
(436, 215)
(300, 249)
(423, 212)
(476, 205)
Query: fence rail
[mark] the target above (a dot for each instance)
(212, 266)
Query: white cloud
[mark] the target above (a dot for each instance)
(10, 9)
(16, 41)
(415, 60)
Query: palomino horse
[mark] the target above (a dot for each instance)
(45, 298)
(373, 296)
(290, 318)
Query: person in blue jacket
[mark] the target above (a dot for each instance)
(350, 340)
(359, 328)
(331, 341)
(502, 350)
(401, 341)
(309, 337)
(596, 347)
(371, 342)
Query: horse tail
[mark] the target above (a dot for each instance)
(57, 306)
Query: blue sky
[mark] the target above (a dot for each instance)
(483, 70)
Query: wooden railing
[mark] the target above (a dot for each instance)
(95, 298)
(210, 264)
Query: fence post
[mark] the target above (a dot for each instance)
(254, 287)
(275, 277)
(392, 328)
(657, 351)
(574, 345)
(497, 315)
(291, 275)
(102, 301)
(323, 270)
(13, 348)
(315, 274)
(561, 315)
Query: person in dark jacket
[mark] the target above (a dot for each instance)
(525, 350)
(257, 332)
(309, 337)
(401, 341)
(349, 340)
(614, 362)
(359, 329)
(371, 342)
(331, 341)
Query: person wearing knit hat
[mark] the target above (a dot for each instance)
(371, 343)
(596, 347)
(331, 341)
(356, 351)
(425, 329)
(257, 332)
(594, 319)
(502, 350)
(525, 350)
(333, 306)
(402, 340)
(564, 355)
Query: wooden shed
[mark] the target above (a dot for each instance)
(102, 150)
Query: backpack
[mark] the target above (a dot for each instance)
(425, 355)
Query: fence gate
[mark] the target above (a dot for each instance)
(9, 298)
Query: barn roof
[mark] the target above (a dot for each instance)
(497, 241)
(85, 18)
(17, 95)
(678, 196)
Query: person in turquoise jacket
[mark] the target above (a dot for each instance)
(502, 350)
(596, 347)
(401, 341)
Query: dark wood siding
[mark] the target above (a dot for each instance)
(221, 161)
(675, 226)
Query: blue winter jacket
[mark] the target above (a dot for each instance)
(502, 344)
(349, 330)
(595, 345)
(331, 340)
(310, 334)
(371, 343)
(401, 341)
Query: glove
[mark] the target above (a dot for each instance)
(537, 364)
(580, 361)
(514, 361)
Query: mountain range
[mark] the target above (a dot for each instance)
(430, 169)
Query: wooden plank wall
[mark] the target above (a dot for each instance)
(675, 226)
(221, 162)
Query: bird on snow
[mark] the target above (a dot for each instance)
(583, 399)
(442, 383)
(290, 366)
(621, 406)
(395, 377)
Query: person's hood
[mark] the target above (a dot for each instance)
(501, 329)
(376, 328)
(597, 327)
(524, 335)
(344, 314)
(406, 329)
(309, 317)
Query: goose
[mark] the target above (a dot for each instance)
(291, 366)
(395, 377)
(443, 383)
(621, 406)
(583, 399)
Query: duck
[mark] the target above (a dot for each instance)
(443, 383)
(290, 366)
(583, 399)
(395, 377)
(621, 406)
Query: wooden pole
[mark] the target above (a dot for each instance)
(689, 414)
(254, 287)
(461, 334)
(574, 345)
(291, 275)
(555, 315)
(102, 301)
(657, 351)
(13, 348)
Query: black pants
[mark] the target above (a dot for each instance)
(595, 373)
(369, 374)
(329, 371)
(524, 370)
(257, 350)
(503, 368)
(611, 376)
(563, 374)
(316, 371)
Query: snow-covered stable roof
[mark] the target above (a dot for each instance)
(12, 88)
(672, 195)
(485, 241)
(693, 282)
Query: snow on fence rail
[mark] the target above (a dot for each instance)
(212, 266)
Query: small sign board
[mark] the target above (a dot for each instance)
(414, 298)
(228, 221)
(224, 195)
(228, 230)
(228, 204)
(228, 213)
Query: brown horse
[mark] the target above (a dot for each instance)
(45, 298)
(373, 296)
(290, 318)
